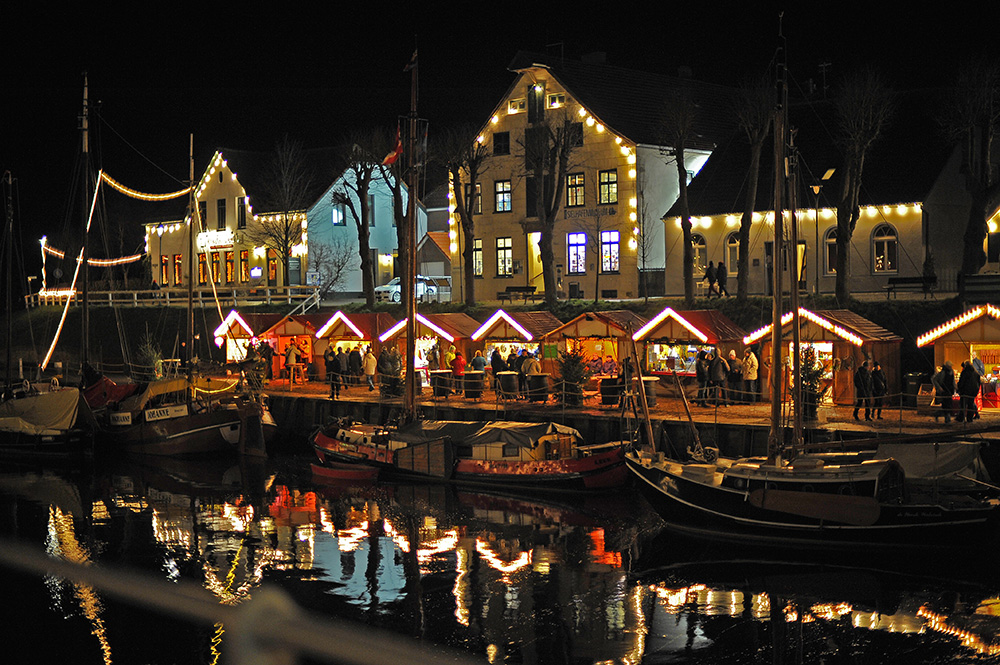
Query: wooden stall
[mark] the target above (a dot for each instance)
(348, 331)
(291, 328)
(509, 332)
(671, 340)
(842, 340)
(975, 331)
(445, 330)
(605, 337)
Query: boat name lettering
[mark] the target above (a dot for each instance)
(165, 412)
(121, 418)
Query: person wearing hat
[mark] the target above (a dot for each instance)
(735, 379)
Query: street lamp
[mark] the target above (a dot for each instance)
(816, 188)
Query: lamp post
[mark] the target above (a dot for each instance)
(816, 188)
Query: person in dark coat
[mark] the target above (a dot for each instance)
(701, 374)
(944, 387)
(722, 276)
(343, 366)
(863, 390)
(332, 371)
(735, 378)
(718, 370)
(880, 387)
(710, 277)
(497, 364)
(968, 389)
(354, 365)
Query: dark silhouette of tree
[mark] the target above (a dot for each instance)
(755, 102)
(679, 113)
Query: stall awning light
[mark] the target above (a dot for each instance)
(233, 316)
(493, 320)
(839, 331)
(339, 316)
(391, 332)
(668, 313)
(959, 321)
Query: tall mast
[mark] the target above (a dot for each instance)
(8, 182)
(794, 293)
(84, 268)
(774, 437)
(410, 282)
(192, 217)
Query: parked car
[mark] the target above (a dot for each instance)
(392, 292)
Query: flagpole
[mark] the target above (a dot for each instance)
(410, 400)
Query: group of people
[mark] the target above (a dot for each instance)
(522, 361)
(722, 381)
(345, 368)
(606, 366)
(870, 388)
(716, 275)
(967, 388)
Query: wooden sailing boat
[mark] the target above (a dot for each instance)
(792, 497)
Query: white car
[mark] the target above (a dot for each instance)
(393, 292)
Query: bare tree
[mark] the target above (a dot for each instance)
(677, 126)
(646, 238)
(548, 145)
(755, 103)
(285, 195)
(465, 156)
(973, 118)
(353, 193)
(863, 108)
(393, 174)
(592, 224)
(332, 261)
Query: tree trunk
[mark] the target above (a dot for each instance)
(468, 267)
(367, 270)
(746, 221)
(688, 265)
(548, 265)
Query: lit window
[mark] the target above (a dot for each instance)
(477, 257)
(477, 205)
(830, 239)
(700, 251)
(339, 214)
(244, 265)
(732, 250)
(609, 186)
(610, 244)
(164, 270)
(178, 269)
(517, 106)
(505, 257)
(501, 189)
(577, 249)
(574, 190)
(215, 266)
(884, 249)
(556, 100)
(230, 268)
(202, 269)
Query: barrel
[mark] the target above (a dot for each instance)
(508, 384)
(474, 384)
(649, 384)
(441, 382)
(611, 390)
(538, 387)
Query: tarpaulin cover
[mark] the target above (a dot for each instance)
(41, 413)
(933, 460)
(476, 433)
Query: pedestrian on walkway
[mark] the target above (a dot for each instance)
(735, 379)
(968, 389)
(701, 375)
(355, 364)
(710, 277)
(863, 390)
(369, 363)
(722, 276)
(332, 371)
(750, 367)
(718, 370)
(879, 389)
(343, 365)
(944, 387)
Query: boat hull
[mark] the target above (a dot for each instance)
(208, 433)
(602, 471)
(698, 507)
(345, 473)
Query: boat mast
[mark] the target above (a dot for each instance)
(192, 208)
(794, 293)
(8, 182)
(774, 438)
(410, 283)
(84, 268)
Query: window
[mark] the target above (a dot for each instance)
(241, 212)
(244, 265)
(501, 189)
(220, 207)
(556, 100)
(884, 249)
(700, 252)
(477, 205)
(610, 244)
(215, 266)
(477, 257)
(608, 182)
(203, 215)
(576, 244)
(339, 214)
(505, 257)
(164, 270)
(575, 135)
(230, 268)
(732, 251)
(574, 190)
(501, 143)
(178, 269)
(202, 269)
(371, 211)
(830, 240)
(517, 105)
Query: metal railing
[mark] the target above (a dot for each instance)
(228, 297)
(269, 629)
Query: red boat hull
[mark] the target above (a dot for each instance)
(334, 472)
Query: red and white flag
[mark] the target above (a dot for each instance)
(396, 152)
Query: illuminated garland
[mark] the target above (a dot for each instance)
(958, 322)
(815, 318)
(127, 191)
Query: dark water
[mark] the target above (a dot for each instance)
(575, 580)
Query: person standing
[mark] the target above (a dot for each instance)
(457, 373)
(722, 276)
(291, 360)
(518, 366)
(879, 389)
(863, 390)
(448, 357)
(497, 364)
(701, 375)
(332, 371)
(368, 364)
(354, 364)
(735, 377)
(267, 355)
(710, 277)
(944, 387)
(968, 389)
(478, 362)
(718, 369)
(342, 365)
(750, 368)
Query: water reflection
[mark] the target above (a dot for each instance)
(593, 579)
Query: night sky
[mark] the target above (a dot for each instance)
(242, 78)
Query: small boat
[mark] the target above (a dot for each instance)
(46, 422)
(539, 456)
(337, 472)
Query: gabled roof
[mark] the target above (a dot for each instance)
(709, 326)
(631, 103)
(508, 325)
(439, 239)
(451, 326)
(843, 323)
(615, 323)
(963, 319)
(902, 166)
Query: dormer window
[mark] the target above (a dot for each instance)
(556, 100)
(517, 105)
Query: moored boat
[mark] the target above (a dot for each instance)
(49, 422)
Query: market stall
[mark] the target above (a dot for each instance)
(511, 332)
(841, 340)
(602, 336)
(975, 331)
(348, 331)
(291, 328)
(442, 330)
(671, 340)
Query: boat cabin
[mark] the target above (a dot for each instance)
(975, 333)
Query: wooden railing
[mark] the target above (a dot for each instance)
(308, 296)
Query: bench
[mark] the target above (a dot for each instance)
(923, 283)
(979, 289)
(523, 292)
